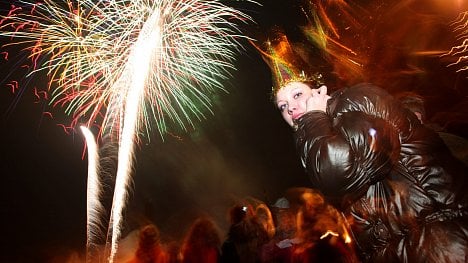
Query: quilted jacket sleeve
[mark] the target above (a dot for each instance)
(351, 146)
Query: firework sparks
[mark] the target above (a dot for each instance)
(127, 65)
(84, 48)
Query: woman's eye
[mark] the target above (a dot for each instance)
(297, 95)
(282, 107)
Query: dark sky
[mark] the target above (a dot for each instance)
(243, 150)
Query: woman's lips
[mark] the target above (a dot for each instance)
(297, 116)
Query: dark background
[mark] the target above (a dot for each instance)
(243, 150)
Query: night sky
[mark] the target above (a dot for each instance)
(243, 150)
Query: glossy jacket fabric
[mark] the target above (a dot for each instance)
(405, 194)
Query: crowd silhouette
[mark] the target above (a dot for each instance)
(299, 227)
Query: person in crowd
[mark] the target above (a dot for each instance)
(280, 248)
(202, 243)
(150, 249)
(245, 236)
(265, 219)
(374, 161)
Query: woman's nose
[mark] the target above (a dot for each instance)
(291, 110)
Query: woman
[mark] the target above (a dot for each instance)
(150, 249)
(403, 191)
(245, 236)
(202, 243)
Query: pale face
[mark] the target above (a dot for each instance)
(291, 100)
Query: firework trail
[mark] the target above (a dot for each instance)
(145, 50)
(128, 65)
(94, 207)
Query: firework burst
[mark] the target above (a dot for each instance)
(84, 48)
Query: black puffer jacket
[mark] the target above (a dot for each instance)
(405, 192)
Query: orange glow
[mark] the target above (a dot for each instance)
(347, 238)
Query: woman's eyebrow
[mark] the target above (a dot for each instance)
(296, 89)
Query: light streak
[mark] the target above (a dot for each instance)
(66, 129)
(347, 239)
(460, 52)
(14, 85)
(146, 49)
(323, 31)
(49, 114)
(328, 233)
(5, 55)
(94, 207)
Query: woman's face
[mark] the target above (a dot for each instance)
(291, 100)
